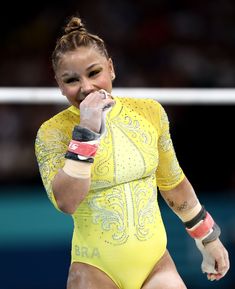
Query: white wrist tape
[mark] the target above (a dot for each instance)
(77, 169)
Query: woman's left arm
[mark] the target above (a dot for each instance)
(200, 225)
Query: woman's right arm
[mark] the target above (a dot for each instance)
(70, 191)
(67, 178)
(66, 181)
(72, 183)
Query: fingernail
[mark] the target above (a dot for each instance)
(213, 278)
(218, 277)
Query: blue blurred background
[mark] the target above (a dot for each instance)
(174, 44)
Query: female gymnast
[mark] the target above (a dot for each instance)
(103, 160)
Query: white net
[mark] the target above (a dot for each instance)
(166, 96)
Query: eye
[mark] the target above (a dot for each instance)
(71, 80)
(94, 72)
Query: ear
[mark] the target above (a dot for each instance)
(111, 67)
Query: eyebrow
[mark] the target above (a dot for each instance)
(92, 65)
(74, 74)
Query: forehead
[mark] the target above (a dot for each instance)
(81, 58)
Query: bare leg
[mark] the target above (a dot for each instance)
(164, 275)
(84, 276)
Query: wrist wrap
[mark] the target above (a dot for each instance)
(83, 145)
(82, 148)
(203, 227)
(214, 234)
(75, 157)
(84, 134)
(200, 216)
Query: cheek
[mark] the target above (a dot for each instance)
(106, 83)
(70, 93)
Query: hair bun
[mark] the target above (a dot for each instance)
(75, 24)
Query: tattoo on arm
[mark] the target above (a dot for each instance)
(170, 203)
(184, 206)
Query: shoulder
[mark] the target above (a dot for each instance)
(60, 124)
(65, 116)
(146, 108)
(141, 103)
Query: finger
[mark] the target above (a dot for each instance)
(108, 103)
(104, 93)
(208, 265)
(223, 264)
(211, 277)
(219, 276)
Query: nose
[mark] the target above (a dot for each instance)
(86, 87)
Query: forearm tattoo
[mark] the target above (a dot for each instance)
(178, 207)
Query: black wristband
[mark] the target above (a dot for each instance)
(75, 157)
(84, 134)
(200, 216)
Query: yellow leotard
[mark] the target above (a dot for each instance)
(118, 227)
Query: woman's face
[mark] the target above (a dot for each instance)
(83, 71)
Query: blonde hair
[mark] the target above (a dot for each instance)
(76, 35)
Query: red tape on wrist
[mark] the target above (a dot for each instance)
(202, 229)
(82, 148)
